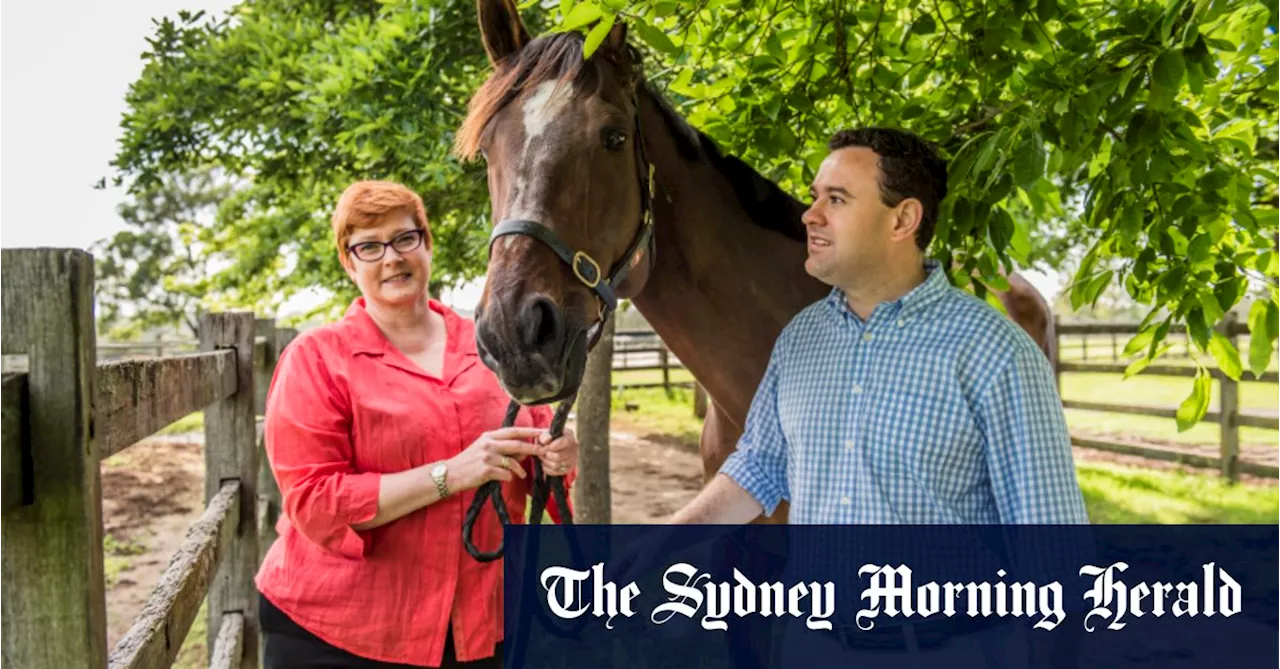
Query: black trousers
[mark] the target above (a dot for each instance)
(288, 646)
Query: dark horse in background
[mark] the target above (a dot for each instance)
(567, 142)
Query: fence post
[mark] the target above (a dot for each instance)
(268, 491)
(592, 496)
(699, 400)
(230, 452)
(54, 605)
(664, 359)
(1229, 412)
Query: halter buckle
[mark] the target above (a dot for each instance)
(579, 259)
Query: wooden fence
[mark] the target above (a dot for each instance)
(1229, 417)
(63, 413)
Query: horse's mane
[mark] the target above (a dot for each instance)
(558, 57)
(768, 206)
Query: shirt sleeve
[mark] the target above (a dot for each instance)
(759, 464)
(1028, 446)
(308, 442)
(542, 416)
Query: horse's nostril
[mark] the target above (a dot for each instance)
(541, 324)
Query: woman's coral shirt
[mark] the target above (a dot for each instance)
(344, 408)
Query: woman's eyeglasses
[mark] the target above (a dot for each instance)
(374, 250)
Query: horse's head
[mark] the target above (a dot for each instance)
(569, 188)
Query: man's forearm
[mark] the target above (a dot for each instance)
(722, 502)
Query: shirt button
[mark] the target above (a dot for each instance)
(857, 389)
(901, 322)
(866, 337)
(846, 501)
(848, 445)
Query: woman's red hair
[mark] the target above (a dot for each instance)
(367, 204)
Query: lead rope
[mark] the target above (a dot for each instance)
(541, 487)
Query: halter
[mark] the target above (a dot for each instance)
(587, 270)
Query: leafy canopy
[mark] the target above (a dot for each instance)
(1138, 138)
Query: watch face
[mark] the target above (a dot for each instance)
(438, 471)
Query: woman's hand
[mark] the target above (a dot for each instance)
(494, 456)
(559, 457)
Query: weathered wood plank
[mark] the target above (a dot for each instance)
(230, 452)
(15, 448)
(1255, 420)
(1116, 368)
(228, 648)
(1193, 459)
(54, 607)
(1137, 410)
(268, 491)
(156, 636)
(137, 398)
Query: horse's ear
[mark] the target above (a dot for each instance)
(616, 49)
(501, 28)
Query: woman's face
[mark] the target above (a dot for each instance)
(390, 276)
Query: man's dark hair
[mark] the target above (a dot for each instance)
(909, 167)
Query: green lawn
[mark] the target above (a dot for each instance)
(1113, 494)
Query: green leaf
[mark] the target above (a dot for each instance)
(1260, 337)
(1139, 341)
(1028, 163)
(596, 37)
(659, 40)
(1168, 69)
(566, 6)
(1225, 354)
(1196, 326)
(582, 14)
(1194, 407)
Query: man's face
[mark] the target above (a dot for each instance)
(849, 228)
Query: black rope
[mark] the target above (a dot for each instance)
(541, 488)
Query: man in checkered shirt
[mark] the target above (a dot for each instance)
(897, 399)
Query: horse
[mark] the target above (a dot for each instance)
(710, 251)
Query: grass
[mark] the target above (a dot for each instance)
(1113, 494)
(193, 422)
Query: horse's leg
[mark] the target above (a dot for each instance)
(751, 639)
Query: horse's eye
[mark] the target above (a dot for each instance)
(614, 138)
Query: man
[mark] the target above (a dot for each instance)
(898, 399)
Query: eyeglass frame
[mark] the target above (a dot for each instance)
(419, 232)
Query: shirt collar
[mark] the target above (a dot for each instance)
(934, 286)
(368, 338)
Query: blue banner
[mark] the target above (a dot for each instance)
(891, 596)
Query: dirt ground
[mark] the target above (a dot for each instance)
(154, 491)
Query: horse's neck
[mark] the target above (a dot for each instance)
(722, 288)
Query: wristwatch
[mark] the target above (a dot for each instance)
(437, 474)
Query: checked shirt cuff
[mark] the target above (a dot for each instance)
(764, 485)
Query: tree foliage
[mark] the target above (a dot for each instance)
(1137, 138)
(155, 272)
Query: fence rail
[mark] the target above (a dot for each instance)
(63, 413)
(1229, 417)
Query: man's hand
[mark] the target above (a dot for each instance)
(722, 502)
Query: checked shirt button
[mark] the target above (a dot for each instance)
(846, 501)
(867, 337)
(857, 389)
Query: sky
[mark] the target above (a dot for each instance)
(60, 109)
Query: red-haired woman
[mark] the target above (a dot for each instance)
(379, 428)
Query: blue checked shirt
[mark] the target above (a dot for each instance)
(936, 410)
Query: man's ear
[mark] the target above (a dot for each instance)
(906, 219)
(501, 29)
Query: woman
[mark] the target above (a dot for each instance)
(379, 428)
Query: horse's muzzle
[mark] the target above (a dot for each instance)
(539, 355)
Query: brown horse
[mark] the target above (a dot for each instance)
(567, 143)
